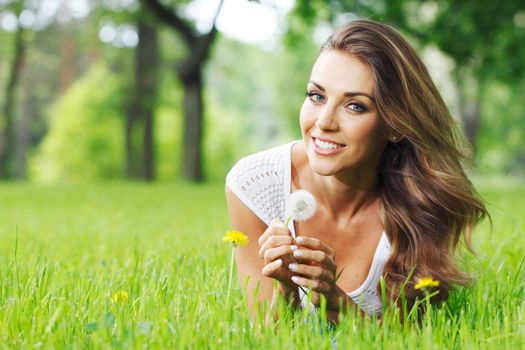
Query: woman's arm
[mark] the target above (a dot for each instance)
(263, 260)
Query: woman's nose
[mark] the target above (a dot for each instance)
(327, 119)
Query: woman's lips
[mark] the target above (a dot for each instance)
(327, 147)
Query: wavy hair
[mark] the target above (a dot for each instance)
(428, 204)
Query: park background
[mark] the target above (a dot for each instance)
(120, 118)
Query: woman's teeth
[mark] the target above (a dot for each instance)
(326, 145)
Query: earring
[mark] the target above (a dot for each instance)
(393, 138)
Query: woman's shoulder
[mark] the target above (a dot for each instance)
(261, 164)
(262, 180)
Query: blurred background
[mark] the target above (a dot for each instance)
(158, 90)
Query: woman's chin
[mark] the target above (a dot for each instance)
(323, 169)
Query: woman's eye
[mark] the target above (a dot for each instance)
(356, 107)
(315, 97)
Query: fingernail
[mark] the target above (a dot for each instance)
(278, 262)
(275, 222)
(293, 247)
(299, 240)
(292, 267)
(295, 279)
(297, 253)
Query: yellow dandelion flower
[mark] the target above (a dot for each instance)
(120, 296)
(426, 282)
(236, 238)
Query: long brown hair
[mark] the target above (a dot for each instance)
(428, 203)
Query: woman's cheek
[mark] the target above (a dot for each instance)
(302, 119)
(306, 117)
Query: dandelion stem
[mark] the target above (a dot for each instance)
(293, 240)
(230, 277)
(428, 316)
(287, 221)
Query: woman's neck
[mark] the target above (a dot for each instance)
(341, 195)
(344, 196)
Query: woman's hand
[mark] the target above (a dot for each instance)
(316, 267)
(275, 249)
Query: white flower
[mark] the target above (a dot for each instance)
(301, 205)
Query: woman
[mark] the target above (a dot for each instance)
(382, 155)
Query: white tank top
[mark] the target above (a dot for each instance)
(262, 181)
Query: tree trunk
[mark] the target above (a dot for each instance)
(471, 115)
(7, 135)
(140, 153)
(23, 128)
(22, 146)
(131, 116)
(67, 63)
(190, 73)
(193, 126)
(469, 91)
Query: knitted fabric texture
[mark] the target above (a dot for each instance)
(259, 182)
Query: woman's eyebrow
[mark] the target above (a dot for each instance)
(348, 93)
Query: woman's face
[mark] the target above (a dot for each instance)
(340, 123)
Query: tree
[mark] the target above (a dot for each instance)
(190, 73)
(7, 130)
(139, 120)
(32, 82)
(140, 74)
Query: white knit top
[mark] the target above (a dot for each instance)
(262, 181)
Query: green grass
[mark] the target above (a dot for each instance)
(78, 245)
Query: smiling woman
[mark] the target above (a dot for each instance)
(339, 120)
(382, 155)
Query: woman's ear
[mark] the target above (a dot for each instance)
(394, 138)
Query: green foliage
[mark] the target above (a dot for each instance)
(253, 105)
(243, 90)
(293, 67)
(167, 127)
(85, 138)
(223, 143)
(86, 130)
(6, 53)
(502, 135)
(168, 137)
(252, 96)
(76, 247)
(484, 35)
(264, 93)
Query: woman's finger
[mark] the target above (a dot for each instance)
(312, 272)
(314, 285)
(269, 269)
(276, 253)
(314, 244)
(274, 241)
(275, 228)
(318, 256)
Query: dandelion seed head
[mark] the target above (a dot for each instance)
(301, 205)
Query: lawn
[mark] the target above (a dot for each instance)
(131, 265)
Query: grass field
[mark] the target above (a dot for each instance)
(130, 265)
